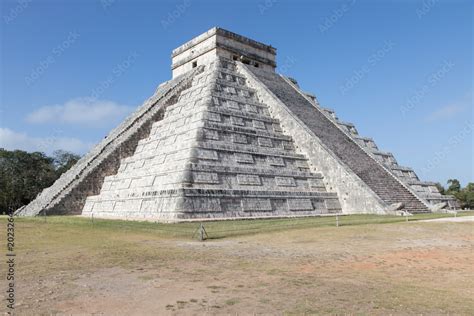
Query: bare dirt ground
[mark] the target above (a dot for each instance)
(401, 268)
(452, 219)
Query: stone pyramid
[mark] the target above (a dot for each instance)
(228, 137)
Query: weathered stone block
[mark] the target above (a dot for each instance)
(300, 205)
(256, 205)
(265, 142)
(285, 181)
(258, 124)
(243, 158)
(205, 177)
(239, 138)
(247, 179)
(276, 161)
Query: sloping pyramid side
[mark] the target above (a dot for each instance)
(426, 190)
(217, 153)
(148, 183)
(363, 183)
(68, 194)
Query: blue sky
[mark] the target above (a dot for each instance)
(401, 71)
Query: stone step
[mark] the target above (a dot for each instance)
(284, 172)
(236, 148)
(247, 114)
(221, 127)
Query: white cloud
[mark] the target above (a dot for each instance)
(445, 112)
(81, 111)
(452, 110)
(12, 140)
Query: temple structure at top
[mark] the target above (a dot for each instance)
(218, 42)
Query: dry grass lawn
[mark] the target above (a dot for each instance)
(70, 266)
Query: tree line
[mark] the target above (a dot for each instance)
(24, 175)
(465, 195)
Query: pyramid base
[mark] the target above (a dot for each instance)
(211, 219)
(211, 204)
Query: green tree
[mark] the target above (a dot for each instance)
(63, 160)
(466, 196)
(453, 186)
(23, 175)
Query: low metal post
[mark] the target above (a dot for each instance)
(337, 220)
(201, 233)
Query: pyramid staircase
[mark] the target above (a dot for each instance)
(426, 190)
(387, 187)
